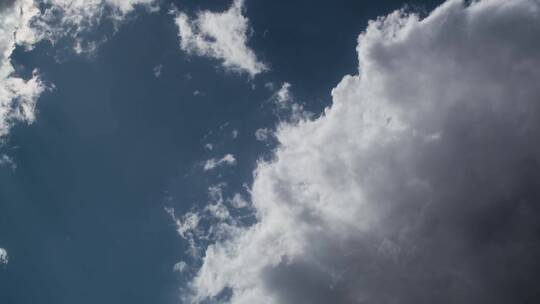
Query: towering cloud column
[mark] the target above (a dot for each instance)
(420, 184)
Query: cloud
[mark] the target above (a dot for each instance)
(283, 95)
(191, 226)
(227, 160)
(26, 22)
(180, 267)
(75, 18)
(17, 95)
(158, 69)
(3, 257)
(127, 6)
(287, 108)
(238, 201)
(6, 161)
(263, 134)
(220, 35)
(420, 184)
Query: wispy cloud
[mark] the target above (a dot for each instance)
(227, 160)
(26, 22)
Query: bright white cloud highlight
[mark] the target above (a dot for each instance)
(220, 35)
(420, 184)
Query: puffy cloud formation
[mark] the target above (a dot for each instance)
(227, 160)
(24, 23)
(222, 36)
(17, 95)
(3, 257)
(420, 184)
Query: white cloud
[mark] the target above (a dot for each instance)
(3, 257)
(287, 108)
(227, 160)
(187, 227)
(238, 201)
(23, 23)
(222, 36)
(180, 267)
(17, 95)
(127, 6)
(263, 134)
(202, 225)
(283, 95)
(74, 18)
(418, 185)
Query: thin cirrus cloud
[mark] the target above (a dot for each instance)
(26, 22)
(220, 35)
(420, 184)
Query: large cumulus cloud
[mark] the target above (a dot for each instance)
(420, 184)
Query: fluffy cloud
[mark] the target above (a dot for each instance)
(227, 160)
(3, 255)
(24, 23)
(420, 184)
(220, 35)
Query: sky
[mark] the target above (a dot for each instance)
(273, 152)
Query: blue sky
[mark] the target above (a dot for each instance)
(134, 134)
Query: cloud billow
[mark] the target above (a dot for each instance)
(420, 184)
(222, 36)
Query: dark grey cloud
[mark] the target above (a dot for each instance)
(421, 184)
